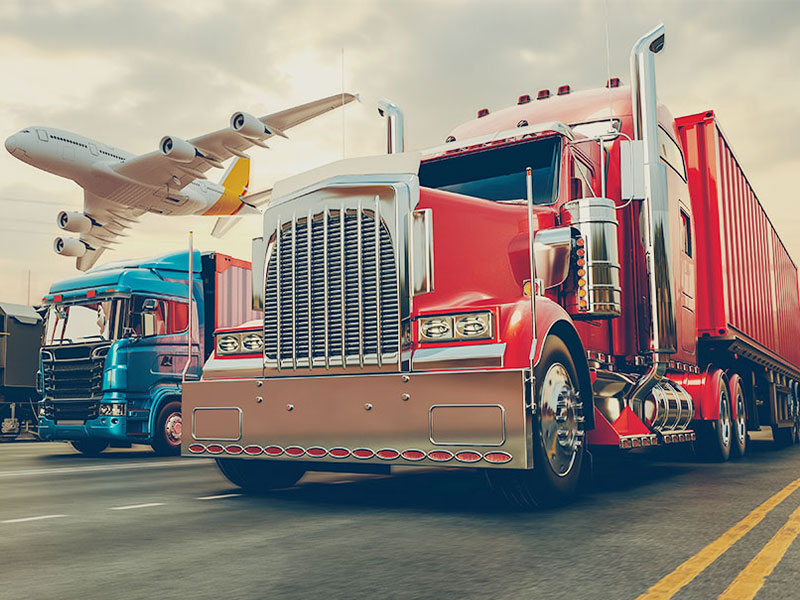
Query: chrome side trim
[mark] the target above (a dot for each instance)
(421, 251)
(473, 356)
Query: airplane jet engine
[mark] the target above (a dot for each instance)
(249, 126)
(177, 149)
(67, 246)
(74, 221)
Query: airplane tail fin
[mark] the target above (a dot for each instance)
(236, 177)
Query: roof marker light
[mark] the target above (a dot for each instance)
(524, 99)
(91, 293)
(58, 298)
(543, 95)
(614, 82)
(563, 90)
(483, 112)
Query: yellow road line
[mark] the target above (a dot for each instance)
(669, 585)
(751, 579)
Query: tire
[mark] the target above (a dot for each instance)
(715, 438)
(167, 436)
(259, 476)
(739, 435)
(558, 436)
(89, 447)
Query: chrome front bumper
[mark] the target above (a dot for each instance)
(468, 418)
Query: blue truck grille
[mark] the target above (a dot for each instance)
(72, 377)
(331, 294)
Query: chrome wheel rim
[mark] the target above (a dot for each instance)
(173, 427)
(560, 419)
(741, 422)
(724, 420)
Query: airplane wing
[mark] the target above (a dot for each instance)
(224, 224)
(155, 168)
(109, 223)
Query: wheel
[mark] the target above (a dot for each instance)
(714, 438)
(558, 436)
(739, 442)
(258, 476)
(167, 437)
(90, 447)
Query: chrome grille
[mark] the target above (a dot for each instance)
(331, 296)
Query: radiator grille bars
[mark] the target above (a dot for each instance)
(331, 296)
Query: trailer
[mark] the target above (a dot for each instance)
(116, 346)
(21, 330)
(576, 272)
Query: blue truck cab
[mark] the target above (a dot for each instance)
(116, 344)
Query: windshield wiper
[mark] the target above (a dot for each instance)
(95, 335)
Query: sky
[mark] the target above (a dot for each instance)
(127, 73)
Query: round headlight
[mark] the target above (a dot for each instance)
(436, 328)
(252, 342)
(473, 326)
(227, 344)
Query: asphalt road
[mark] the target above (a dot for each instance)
(132, 525)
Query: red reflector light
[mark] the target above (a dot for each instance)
(413, 455)
(563, 89)
(543, 94)
(59, 298)
(110, 290)
(483, 112)
(613, 82)
(497, 458)
(363, 453)
(440, 455)
(93, 293)
(339, 452)
(295, 451)
(252, 450)
(234, 449)
(214, 448)
(388, 454)
(524, 99)
(273, 450)
(316, 452)
(468, 456)
(197, 448)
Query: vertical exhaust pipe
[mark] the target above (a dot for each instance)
(656, 221)
(395, 139)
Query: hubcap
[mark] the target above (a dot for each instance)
(741, 423)
(561, 421)
(172, 429)
(724, 419)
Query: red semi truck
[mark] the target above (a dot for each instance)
(576, 271)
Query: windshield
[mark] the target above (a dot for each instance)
(498, 173)
(72, 323)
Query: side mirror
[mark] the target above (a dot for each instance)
(149, 305)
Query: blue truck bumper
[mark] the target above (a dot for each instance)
(113, 429)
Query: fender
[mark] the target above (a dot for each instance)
(160, 396)
(551, 319)
(704, 390)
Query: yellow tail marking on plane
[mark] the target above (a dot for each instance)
(235, 181)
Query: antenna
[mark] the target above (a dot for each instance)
(608, 68)
(191, 308)
(343, 103)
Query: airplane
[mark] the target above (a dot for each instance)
(120, 186)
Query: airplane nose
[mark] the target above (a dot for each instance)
(11, 143)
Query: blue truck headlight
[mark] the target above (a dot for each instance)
(112, 410)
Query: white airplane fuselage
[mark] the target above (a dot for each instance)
(88, 163)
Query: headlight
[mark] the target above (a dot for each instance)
(468, 326)
(252, 342)
(474, 326)
(433, 329)
(227, 344)
(112, 410)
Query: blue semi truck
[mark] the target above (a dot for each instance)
(116, 344)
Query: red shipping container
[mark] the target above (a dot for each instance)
(747, 285)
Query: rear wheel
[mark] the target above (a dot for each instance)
(739, 443)
(558, 436)
(714, 438)
(258, 476)
(89, 447)
(169, 427)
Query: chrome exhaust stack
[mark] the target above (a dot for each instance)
(656, 222)
(395, 139)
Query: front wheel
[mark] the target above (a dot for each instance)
(89, 447)
(169, 427)
(558, 436)
(259, 476)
